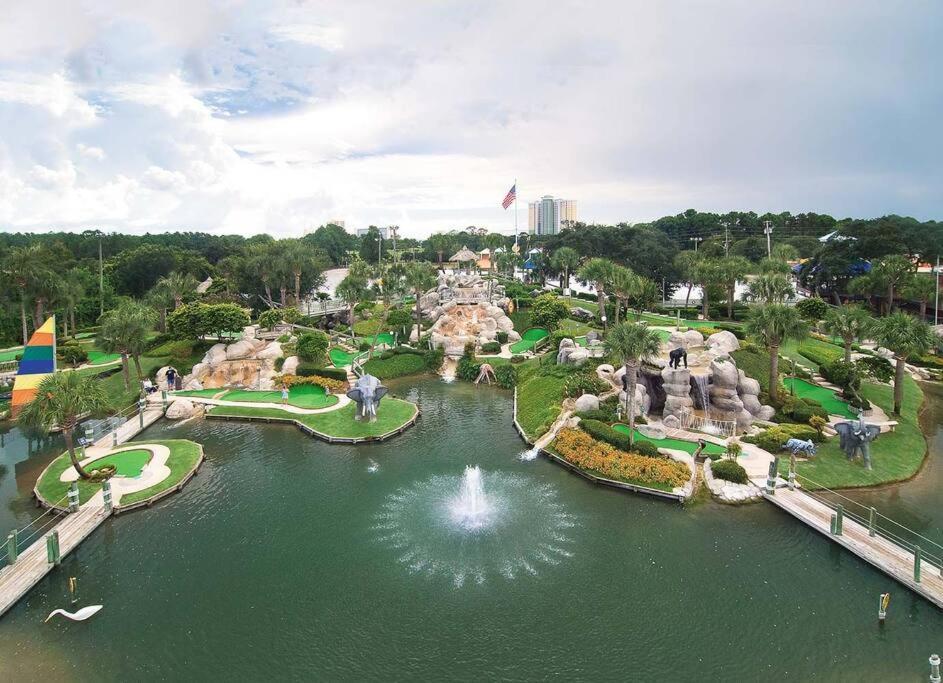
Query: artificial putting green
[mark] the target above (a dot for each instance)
(827, 397)
(199, 393)
(10, 354)
(127, 463)
(309, 396)
(101, 358)
(676, 444)
(340, 358)
(529, 339)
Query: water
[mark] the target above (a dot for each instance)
(470, 509)
(703, 390)
(287, 558)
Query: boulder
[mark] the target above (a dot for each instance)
(290, 366)
(744, 419)
(751, 403)
(605, 372)
(193, 384)
(642, 402)
(239, 350)
(505, 324)
(652, 431)
(215, 355)
(249, 331)
(693, 338)
(581, 314)
(723, 342)
(513, 336)
(566, 347)
(587, 402)
(884, 353)
(592, 336)
(179, 409)
(272, 350)
(671, 422)
(676, 341)
(724, 373)
(765, 413)
(748, 385)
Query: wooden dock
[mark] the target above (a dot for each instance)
(33, 564)
(891, 558)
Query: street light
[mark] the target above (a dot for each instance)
(696, 240)
(768, 230)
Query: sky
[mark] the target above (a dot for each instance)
(243, 117)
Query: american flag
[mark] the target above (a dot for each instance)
(511, 196)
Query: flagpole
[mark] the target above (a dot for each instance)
(516, 231)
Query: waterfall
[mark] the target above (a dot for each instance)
(701, 382)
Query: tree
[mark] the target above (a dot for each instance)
(302, 260)
(197, 320)
(706, 273)
(392, 279)
(399, 321)
(352, 290)
(624, 284)
(633, 343)
(70, 293)
(773, 324)
(906, 336)
(565, 260)
(893, 272)
(684, 263)
(730, 270)
(643, 297)
(124, 330)
(599, 272)
(370, 245)
(312, 346)
(74, 354)
(849, 322)
(770, 288)
(420, 278)
(178, 286)
(62, 399)
(334, 241)
(547, 312)
(920, 289)
(812, 309)
(27, 268)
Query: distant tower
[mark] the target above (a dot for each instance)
(548, 216)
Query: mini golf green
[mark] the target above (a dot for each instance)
(200, 393)
(827, 397)
(10, 354)
(677, 444)
(127, 463)
(100, 358)
(529, 339)
(340, 358)
(310, 396)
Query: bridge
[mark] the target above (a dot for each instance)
(316, 307)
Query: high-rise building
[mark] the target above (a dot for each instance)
(384, 232)
(548, 215)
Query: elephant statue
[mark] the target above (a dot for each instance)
(857, 436)
(367, 393)
(675, 357)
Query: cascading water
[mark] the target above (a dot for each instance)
(703, 390)
(471, 506)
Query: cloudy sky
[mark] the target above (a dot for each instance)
(244, 116)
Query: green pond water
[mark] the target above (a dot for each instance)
(288, 558)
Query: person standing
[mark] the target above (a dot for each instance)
(171, 377)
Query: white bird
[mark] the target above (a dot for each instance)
(81, 615)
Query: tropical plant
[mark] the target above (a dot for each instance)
(420, 277)
(70, 293)
(729, 271)
(312, 346)
(770, 288)
(906, 336)
(179, 286)
(599, 272)
(772, 325)
(734, 449)
(684, 263)
(28, 269)
(633, 343)
(624, 284)
(849, 322)
(706, 273)
(644, 297)
(564, 261)
(548, 311)
(920, 289)
(124, 330)
(62, 399)
(812, 309)
(268, 319)
(892, 272)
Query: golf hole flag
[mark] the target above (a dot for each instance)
(39, 360)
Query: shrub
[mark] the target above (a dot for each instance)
(468, 368)
(580, 449)
(819, 352)
(335, 385)
(879, 368)
(841, 374)
(363, 346)
(799, 410)
(928, 361)
(284, 339)
(491, 347)
(311, 346)
(196, 320)
(73, 354)
(734, 449)
(517, 359)
(279, 362)
(729, 470)
(269, 319)
(548, 311)
(736, 330)
(605, 414)
(818, 424)
(400, 321)
(506, 376)
(502, 337)
(434, 358)
(391, 365)
(580, 383)
(812, 309)
(291, 315)
(312, 370)
(773, 438)
(646, 448)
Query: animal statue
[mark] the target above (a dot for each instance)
(675, 356)
(367, 393)
(485, 374)
(857, 436)
(80, 615)
(797, 446)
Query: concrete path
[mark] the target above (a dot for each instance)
(153, 473)
(288, 408)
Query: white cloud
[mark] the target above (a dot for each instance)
(91, 151)
(327, 37)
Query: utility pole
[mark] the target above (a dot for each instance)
(696, 240)
(768, 229)
(936, 300)
(726, 238)
(394, 229)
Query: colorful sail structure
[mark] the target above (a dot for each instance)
(38, 361)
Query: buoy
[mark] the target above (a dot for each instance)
(81, 615)
(883, 602)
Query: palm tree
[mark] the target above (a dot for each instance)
(160, 298)
(684, 262)
(124, 330)
(633, 343)
(564, 261)
(27, 268)
(865, 285)
(352, 290)
(770, 288)
(893, 272)
(261, 263)
(624, 284)
(729, 271)
(301, 258)
(773, 324)
(420, 278)
(392, 277)
(599, 272)
(919, 289)
(644, 296)
(70, 293)
(178, 286)
(849, 322)
(705, 273)
(506, 262)
(62, 399)
(905, 336)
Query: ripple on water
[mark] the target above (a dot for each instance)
(528, 529)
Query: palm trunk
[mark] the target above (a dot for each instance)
(283, 290)
(137, 365)
(631, 372)
(618, 311)
(178, 302)
(297, 288)
(899, 384)
(890, 299)
(848, 350)
(268, 292)
(163, 318)
(67, 436)
(774, 373)
(126, 371)
(704, 300)
(72, 318)
(37, 313)
(730, 294)
(418, 318)
(687, 297)
(601, 302)
(65, 326)
(923, 309)
(23, 320)
(350, 317)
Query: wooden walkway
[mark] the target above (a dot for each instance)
(32, 565)
(132, 426)
(891, 558)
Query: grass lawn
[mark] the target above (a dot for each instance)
(529, 339)
(814, 347)
(827, 397)
(200, 393)
(895, 456)
(574, 328)
(183, 456)
(363, 328)
(677, 444)
(127, 463)
(539, 402)
(392, 414)
(309, 396)
(101, 358)
(399, 365)
(10, 354)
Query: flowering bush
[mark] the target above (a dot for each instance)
(292, 380)
(582, 450)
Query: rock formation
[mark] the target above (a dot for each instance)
(587, 402)
(570, 354)
(677, 386)
(245, 363)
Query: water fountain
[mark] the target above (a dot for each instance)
(470, 509)
(529, 454)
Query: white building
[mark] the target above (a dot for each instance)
(548, 216)
(384, 232)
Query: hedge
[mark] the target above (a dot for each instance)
(729, 470)
(603, 432)
(310, 369)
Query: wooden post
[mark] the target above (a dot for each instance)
(832, 526)
(52, 548)
(792, 473)
(771, 477)
(917, 563)
(871, 514)
(163, 398)
(106, 494)
(11, 547)
(114, 437)
(73, 497)
(839, 518)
